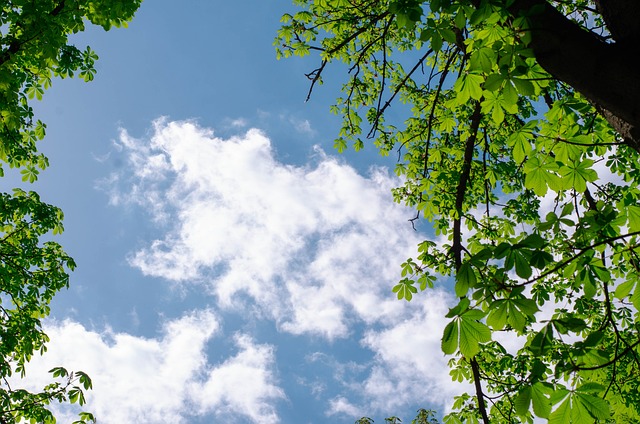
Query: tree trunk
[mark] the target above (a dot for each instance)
(604, 72)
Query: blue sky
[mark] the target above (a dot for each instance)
(231, 266)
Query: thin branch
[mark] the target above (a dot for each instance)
(577, 255)
(395, 93)
(314, 76)
(475, 368)
(443, 75)
(384, 74)
(612, 361)
(360, 30)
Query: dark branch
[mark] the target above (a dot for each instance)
(461, 190)
(475, 368)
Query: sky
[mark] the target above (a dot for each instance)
(232, 267)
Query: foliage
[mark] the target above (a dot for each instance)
(425, 416)
(34, 48)
(533, 191)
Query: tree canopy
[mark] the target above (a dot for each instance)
(520, 144)
(34, 49)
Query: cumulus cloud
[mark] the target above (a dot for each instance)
(314, 248)
(165, 379)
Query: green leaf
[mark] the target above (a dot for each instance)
(633, 215)
(541, 342)
(492, 105)
(59, 372)
(472, 333)
(563, 413)
(576, 174)
(595, 406)
(523, 269)
(533, 241)
(513, 311)
(465, 279)
(593, 339)
(465, 333)
(29, 174)
(510, 96)
(468, 86)
(498, 314)
(483, 59)
(540, 174)
(624, 289)
(493, 82)
(502, 250)
(450, 338)
(522, 402)
(85, 380)
(459, 309)
(564, 325)
(340, 144)
(540, 259)
(460, 20)
(526, 306)
(405, 289)
(591, 387)
(541, 400)
(436, 41)
(524, 87)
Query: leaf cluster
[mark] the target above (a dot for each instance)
(535, 194)
(424, 416)
(34, 49)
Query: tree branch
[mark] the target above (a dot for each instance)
(577, 255)
(475, 368)
(457, 233)
(470, 145)
(612, 361)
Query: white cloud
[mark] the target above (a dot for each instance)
(409, 360)
(314, 248)
(302, 126)
(408, 367)
(238, 123)
(341, 405)
(242, 385)
(162, 380)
